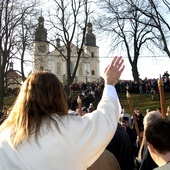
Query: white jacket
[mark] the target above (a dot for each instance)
(79, 143)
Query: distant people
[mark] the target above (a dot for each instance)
(166, 81)
(158, 137)
(4, 111)
(40, 134)
(147, 111)
(168, 112)
(4, 115)
(125, 114)
(84, 110)
(144, 159)
(72, 112)
(89, 110)
(91, 106)
(152, 92)
(106, 161)
(139, 119)
(120, 146)
(158, 109)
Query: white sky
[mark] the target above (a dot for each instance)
(149, 67)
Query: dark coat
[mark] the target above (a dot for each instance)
(121, 147)
(147, 163)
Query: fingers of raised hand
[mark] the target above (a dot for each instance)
(117, 63)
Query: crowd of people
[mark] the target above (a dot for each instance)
(45, 129)
(144, 86)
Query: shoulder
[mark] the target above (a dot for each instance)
(164, 167)
(106, 161)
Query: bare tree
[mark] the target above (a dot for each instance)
(158, 11)
(120, 22)
(12, 15)
(69, 23)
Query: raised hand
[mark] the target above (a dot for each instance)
(113, 71)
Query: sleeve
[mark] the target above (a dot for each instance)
(95, 130)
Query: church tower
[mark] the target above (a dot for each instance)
(40, 47)
(92, 51)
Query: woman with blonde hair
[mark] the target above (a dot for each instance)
(40, 134)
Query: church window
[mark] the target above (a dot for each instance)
(80, 71)
(93, 72)
(58, 68)
(92, 55)
(49, 64)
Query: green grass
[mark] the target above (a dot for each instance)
(8, 101)
(141, 102)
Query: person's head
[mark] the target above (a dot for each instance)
(168, 110)
(41, 95)
(84, 110)
(89, 110)
(158, 137)
(138, 112)
(124, 121)
(158, 109)
(150, 116)
(91, 105)
(147, 111)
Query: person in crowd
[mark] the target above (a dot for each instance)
(40, 134)
(139, 119)
(89, 110)
(120, 146)
(72, 112)
(168, 112)
(147, 111)
(158, 109)
(106, 161)
(158, 137)
(91, 106)
(84, 110)
(144, 159)
(124, 113)
(124, 121)
(152, 92)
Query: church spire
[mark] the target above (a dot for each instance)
(41, 32)
(90, 37)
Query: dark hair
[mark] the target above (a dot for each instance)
(84, 109)
(158, 134)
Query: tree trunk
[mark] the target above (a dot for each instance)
(135, 72)
(2, 90)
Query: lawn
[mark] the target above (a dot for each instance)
(143, 101)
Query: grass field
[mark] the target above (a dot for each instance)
(141, 102)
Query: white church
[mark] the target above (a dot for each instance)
(43, 59)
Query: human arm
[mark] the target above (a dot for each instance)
(98, 127)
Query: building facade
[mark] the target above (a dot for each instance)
(43, 59)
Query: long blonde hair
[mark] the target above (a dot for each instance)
(40, 96)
